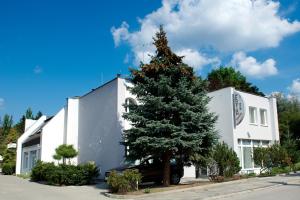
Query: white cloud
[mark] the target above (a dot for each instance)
(295, 88)
(196, 59)
(231, 25)
(249, 66)
(1, 103)
(38, 69)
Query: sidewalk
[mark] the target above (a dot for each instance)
(222, 190)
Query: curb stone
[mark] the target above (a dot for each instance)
(131, 197)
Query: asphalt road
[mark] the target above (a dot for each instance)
(284, 192)
(272, 188)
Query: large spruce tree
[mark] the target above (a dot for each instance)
(171, 119)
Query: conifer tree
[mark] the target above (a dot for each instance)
(171, 119)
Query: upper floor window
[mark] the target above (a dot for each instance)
(128, 102)
(253, 115)
(263, 117)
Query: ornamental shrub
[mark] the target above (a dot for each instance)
(226, 160)
(8, 168)
(124, 182)
(64, 174)
(41, 170)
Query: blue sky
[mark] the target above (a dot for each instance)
(51, 50)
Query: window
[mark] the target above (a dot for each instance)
(263, 117)
(32, 158)
(253, 115)
(248, 162)
(129, 102)
(245, 152)
(25, 161)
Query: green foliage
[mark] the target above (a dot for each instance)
(41, 170)
(147, 190)
(228, 77)
(8, 168)
(280, 170)
(288, 117)
(275, 156)
(124, 182)
(172, 118)
(226, 160)
(261, 158)
(6, 125)
(64, 152)
(64, 174)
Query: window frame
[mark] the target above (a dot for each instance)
(255, 115)
(265, 116)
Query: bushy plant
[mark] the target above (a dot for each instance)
(280, 170)
(124, 182)
(64, 174)
(8, 168)
(41, 170)
(226, 160)
(64, 152)
(275, 156)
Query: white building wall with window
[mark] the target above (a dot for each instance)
(257, 127)
(93, 123)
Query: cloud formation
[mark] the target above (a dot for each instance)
(294, 89)
(249, 66)
(197, 25)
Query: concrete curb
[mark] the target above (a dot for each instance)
(116, 196)
(130, 197)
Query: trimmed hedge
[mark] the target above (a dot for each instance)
(124, 182)
(8, 168)
(64, 174)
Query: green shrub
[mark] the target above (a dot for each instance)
(280, 170)
(274, 157)
(64, 174)
(41, 170)
(8, 168)
(297, 166)
(147, 190)
(251, 175)
(124, 182)
(226, 159)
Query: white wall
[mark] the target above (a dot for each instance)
(246, 130)
(72, 124)
(52, 136)
(99, 129)
(28, 123)
(31, 130)
(221, 105)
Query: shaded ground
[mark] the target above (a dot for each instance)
(271, 188)
(14, 188)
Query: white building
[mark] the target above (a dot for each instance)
(93, 124)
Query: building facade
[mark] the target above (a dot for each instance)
(93, 124)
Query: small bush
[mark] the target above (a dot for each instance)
(147, 191)
(251, 175)
(124, 182)
(226, 160)
(279, 170)
(41, 170)
(297, 166)
(8, 168)
(64, 174)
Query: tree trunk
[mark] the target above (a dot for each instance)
(167, 169)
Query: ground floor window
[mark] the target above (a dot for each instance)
(245, 152)
(29, 158)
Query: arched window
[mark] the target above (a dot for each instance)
(128, 102)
